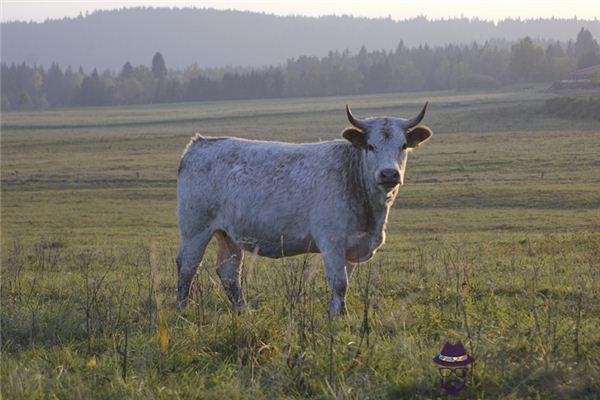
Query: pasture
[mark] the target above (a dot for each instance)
(493, 241)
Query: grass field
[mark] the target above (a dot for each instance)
(494, 241)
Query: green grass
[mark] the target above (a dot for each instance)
(494, 241)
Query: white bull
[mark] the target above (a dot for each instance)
(284, 199)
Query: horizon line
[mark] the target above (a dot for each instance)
(496, 22)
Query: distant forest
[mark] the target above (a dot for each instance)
(215, 38)
(473, 66)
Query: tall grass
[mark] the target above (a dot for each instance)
(529, 318)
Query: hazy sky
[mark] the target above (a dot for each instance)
(40, 10)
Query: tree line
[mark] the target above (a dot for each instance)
(462, 67)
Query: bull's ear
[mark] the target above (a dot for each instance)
(356, 137)
(417, 135)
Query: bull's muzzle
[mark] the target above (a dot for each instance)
(389, 178)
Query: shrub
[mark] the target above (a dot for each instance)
(574, 107)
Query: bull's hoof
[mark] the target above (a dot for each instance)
(239, 307)
(182, 298)
(337, 308)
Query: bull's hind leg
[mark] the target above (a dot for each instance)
(191, 251)
(229, 268)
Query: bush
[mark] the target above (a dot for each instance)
(574, 107)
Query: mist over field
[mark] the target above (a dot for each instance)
(216, 38)
(489, 65)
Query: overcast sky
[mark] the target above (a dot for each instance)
(30, 10)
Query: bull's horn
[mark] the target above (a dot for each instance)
(415, 121)
(354, 121)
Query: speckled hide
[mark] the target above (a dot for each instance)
(283, 199)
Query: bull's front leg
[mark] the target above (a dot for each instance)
(334, 258)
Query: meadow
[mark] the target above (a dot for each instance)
(494, 241)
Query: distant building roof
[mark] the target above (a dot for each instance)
(585, 72)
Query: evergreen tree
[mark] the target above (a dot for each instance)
(159, 68)
(55, 87)
(553, 51)
(585, 43)
(92, 91)
(586, 49)
(127, 71)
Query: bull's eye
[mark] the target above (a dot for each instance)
(370, 147)
(404, 146)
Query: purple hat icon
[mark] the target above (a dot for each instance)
(453, 355)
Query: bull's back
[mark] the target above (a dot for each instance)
(237, 164)
(260, 193)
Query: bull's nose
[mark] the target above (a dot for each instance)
(390, 175)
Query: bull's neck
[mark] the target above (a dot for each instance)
(372, 203)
